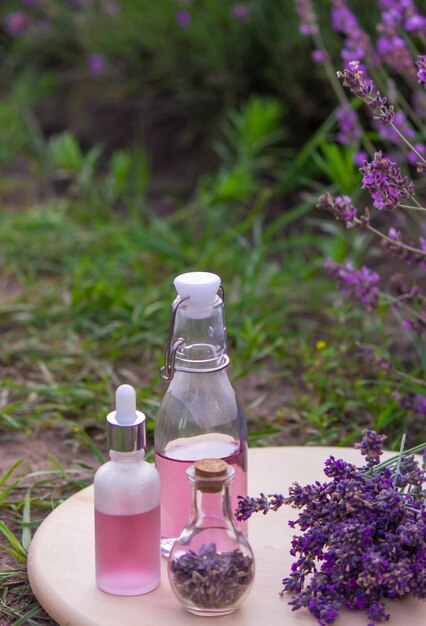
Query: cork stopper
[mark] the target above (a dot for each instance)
(211, 474)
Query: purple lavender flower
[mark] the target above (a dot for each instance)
(421, 69)
(349, 131)
(412, 156)
(395, 235)
(383, 179)
(319, 56)
(415, 24)
(360, 157)
(341, 207)
(16, 23)
(382, 362)
(183, 19)
(392, 48)
(307, 15)
(385, 45)
(342, 19)
(401, 286)
(394, 51)
(357, 43)
(397, 17)
(414, 255)
(409, 472)
(415, 326)
(388, 133)
(402, 15)
(371, 446)
(241, 12)
(96, 64)
(247, 506)
(359, 284)
(415, 402)
(353, 78)
(110, 8)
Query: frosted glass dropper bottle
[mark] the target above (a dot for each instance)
(127, 506)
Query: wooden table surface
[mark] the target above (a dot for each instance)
(61, 560)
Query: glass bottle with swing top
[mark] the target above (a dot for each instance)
(200, 416)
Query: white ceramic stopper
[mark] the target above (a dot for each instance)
(201, 287)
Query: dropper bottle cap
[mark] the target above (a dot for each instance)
(125, 426)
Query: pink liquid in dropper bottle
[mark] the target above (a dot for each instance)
(127, 506)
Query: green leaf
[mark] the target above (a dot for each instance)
(27, 617)
(26, 519)
(65, 153)
(291, 175)
(336, 162)
(7, 490)
(9, 472)
(94, 448)
(9, 420)
(14, 553)
(422, 352)
(120, 167)
(20, 551)
(288, 217)
(56, 463)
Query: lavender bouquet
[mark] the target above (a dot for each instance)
(363, 533)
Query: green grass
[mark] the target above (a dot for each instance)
(26, 497)
(95, 305)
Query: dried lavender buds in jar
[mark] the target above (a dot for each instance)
(212, 579)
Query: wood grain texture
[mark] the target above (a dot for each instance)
(61, 560)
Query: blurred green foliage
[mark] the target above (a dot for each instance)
(214, 60)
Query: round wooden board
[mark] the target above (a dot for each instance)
(61, 560)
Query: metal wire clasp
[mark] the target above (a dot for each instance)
(168, 369)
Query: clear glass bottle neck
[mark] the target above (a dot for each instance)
(207, 506)
(204, 335)
(127, 457)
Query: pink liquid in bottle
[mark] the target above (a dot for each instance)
(175, 487)
(127, 552)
